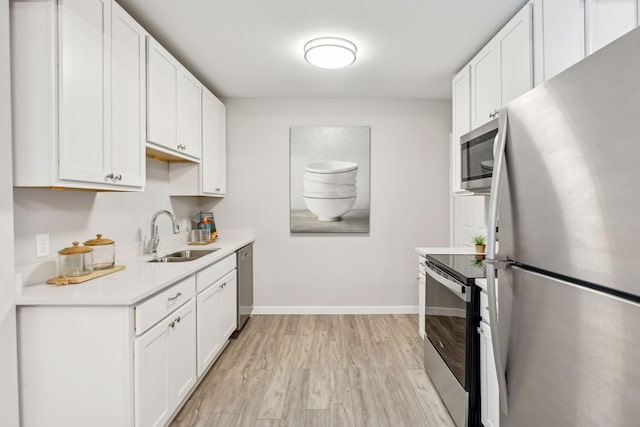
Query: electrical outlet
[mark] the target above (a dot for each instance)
(42, 245)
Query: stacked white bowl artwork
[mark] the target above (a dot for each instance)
(330, 189)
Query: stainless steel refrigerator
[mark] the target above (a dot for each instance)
(566, 202)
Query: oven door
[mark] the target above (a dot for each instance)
(446, 320)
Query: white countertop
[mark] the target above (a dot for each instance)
(139, 280)
(444, 250)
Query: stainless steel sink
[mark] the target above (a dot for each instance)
(184, 256)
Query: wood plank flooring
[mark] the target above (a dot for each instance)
(319, 370)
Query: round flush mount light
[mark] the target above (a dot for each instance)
(330, 52)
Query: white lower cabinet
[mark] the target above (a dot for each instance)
(124, 365)
(422, 295)
(165, 366)
(489, 392)
(229, 304)
(217, 315)
(209, 344)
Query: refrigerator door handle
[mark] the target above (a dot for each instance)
(501, 141)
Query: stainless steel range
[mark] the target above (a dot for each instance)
(452, 347)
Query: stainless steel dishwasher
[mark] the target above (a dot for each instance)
(245, 285)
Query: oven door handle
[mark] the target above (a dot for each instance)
(454, 287)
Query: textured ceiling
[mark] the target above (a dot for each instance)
(253, 48)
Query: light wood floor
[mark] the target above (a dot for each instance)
(319, 370)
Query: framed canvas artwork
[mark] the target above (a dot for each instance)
(329, 179)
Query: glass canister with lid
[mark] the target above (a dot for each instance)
(103, 252)
(75, 261)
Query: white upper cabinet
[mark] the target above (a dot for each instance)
(606, 20)
(568, 30)
(514, 45)
(214, 145)
(189, 118)
(503, 69)
(484, 85)
(85, 36)
(128, 98)
(174, 110)
(162, 78)
(71, 62)
(560, 30)
(209, 177)
(461, 99)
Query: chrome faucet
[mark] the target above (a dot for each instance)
(155, 238)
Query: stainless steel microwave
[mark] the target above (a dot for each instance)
(476, 157)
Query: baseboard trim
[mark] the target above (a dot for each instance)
(338, 309)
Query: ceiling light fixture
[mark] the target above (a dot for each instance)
(330, 52)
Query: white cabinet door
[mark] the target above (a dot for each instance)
(606, 20)
(229, 308)
(209, 328)
(514, 46)
(461, 100)
(84, 62)
(490, 406)
(128, 99)
(470, 219)
(189, 111)
(562, 35)
(162, 80)
(182, 352)
(165, 366)
(152, 398)
(214, 145)
(484, 85)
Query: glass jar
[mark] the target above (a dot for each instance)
(75, 261)
(104, 252)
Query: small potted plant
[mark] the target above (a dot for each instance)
(480, 242)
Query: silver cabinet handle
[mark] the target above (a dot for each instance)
(110, 176)
(176, 296)
(217, 189)
(118, 177)
(172, 324)
(178, 319)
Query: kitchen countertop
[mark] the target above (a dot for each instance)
(444, 250)
(138, 281)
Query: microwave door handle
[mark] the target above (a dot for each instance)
(498, 170)
(449, 284)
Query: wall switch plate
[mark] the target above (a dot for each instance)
(42, 245)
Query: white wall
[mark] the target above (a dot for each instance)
(8, 347)
(79, 215)
(409, 201)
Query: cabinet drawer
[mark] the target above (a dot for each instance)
(208, 276)
(149, 312)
